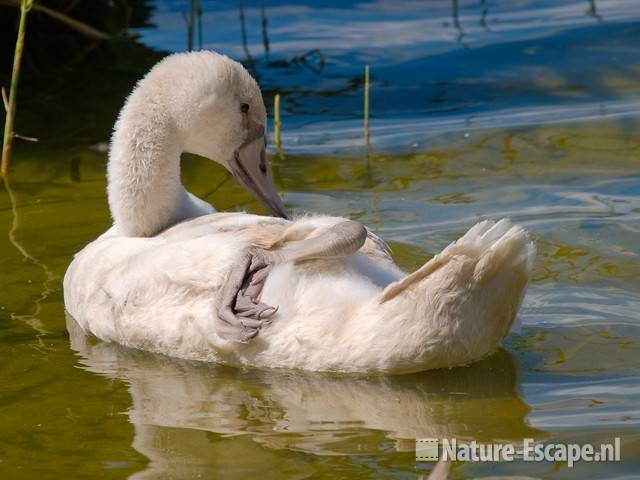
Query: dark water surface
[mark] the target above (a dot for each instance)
(483, 109)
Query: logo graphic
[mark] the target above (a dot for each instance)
(427, 450)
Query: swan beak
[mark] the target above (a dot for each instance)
(252, 170)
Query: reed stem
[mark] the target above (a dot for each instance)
(366, 104)
(265, 35)
(200, 12)
(25, 6)
(277, 125)
(191, 22)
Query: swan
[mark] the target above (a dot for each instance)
(314, 292)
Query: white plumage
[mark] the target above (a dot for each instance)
(154, 280)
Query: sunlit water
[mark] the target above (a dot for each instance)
(524, 109)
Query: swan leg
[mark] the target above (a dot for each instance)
(340, 240)
(242, 315)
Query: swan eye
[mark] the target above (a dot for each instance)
(263, 165)
(244, 108)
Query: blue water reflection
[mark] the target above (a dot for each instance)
(437, 65)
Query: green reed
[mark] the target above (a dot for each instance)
(366, 104)
(277, 125)
(10, 103)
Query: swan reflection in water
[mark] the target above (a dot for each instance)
(193, 419)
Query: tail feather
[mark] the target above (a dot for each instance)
(505, 247)
(456, 308)
(495, 244)
(464, 301)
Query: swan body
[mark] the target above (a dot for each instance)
(156, 279)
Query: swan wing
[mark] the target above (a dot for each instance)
(150, 292)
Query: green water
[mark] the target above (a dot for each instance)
(483, 109)
(73, 407)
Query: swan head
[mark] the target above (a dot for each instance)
(216, 111)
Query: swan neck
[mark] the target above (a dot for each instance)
(145, 191)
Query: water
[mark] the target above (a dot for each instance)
(529, 110)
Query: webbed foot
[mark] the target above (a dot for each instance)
(241, 314)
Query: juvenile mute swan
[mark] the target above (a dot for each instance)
(317, 292)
